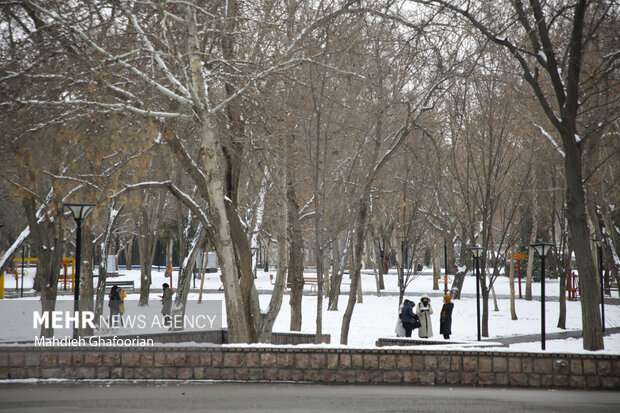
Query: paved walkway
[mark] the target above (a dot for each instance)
(13, 293)
(161, 396)
(531, 338)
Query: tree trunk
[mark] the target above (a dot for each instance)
(146, 249)
(335, 290)
(436, 268)
(295, 270)
(484, 292)
(129, 253)
(495, 306)
(86, 280)
(360, 235)
(275, 303)
(243, 261)
(578, 225)
(296, 255)
(203, 267)
(212, 158)
(49, 267)
(186, 272)
(103, 249)
(238, 327)
(326, 274)
(267, 249)
(513, 310)
(341, 260)
(378, 263)
(319, 290)
(46, 235)
(531, 252)
(459, 276)
(565, 272)
(48, 305)
(169, 254)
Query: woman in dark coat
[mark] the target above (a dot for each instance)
(445, 320)
(407, 317)
(114, 304)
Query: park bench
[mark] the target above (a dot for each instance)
(272, 280)
(311, 281)
(121, 284)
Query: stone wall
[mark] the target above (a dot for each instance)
(323, 365)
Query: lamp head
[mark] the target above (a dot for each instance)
(477, 252)
(79, 211)
(542, 248)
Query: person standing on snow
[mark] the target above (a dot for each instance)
(424, 312)
(114, 304)
(121, 308)
(445, 319)
(407, 317)
(166, 301)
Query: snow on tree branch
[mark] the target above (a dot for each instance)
(550, 139)
(174, 190)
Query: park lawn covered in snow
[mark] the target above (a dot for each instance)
(374, 318)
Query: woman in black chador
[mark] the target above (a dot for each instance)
(445, 320)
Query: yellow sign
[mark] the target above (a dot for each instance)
(520, 256)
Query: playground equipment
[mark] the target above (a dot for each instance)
(573, 287)
(15, 275)
(66, 277)
(519, 256)
(15, 272)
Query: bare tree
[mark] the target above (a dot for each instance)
(549, 42)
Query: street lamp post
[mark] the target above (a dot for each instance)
(542, 248)
(79, 211)
(478, 252)
(599, 246)
(23, 273)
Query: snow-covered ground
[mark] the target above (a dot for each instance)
(374, 318)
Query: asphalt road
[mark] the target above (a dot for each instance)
(268, 397)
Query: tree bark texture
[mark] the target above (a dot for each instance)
(296, 259)
(86, 282)
(360, 235)
(46, 235)
(129, 253)
(186, 271)
(513, 310)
